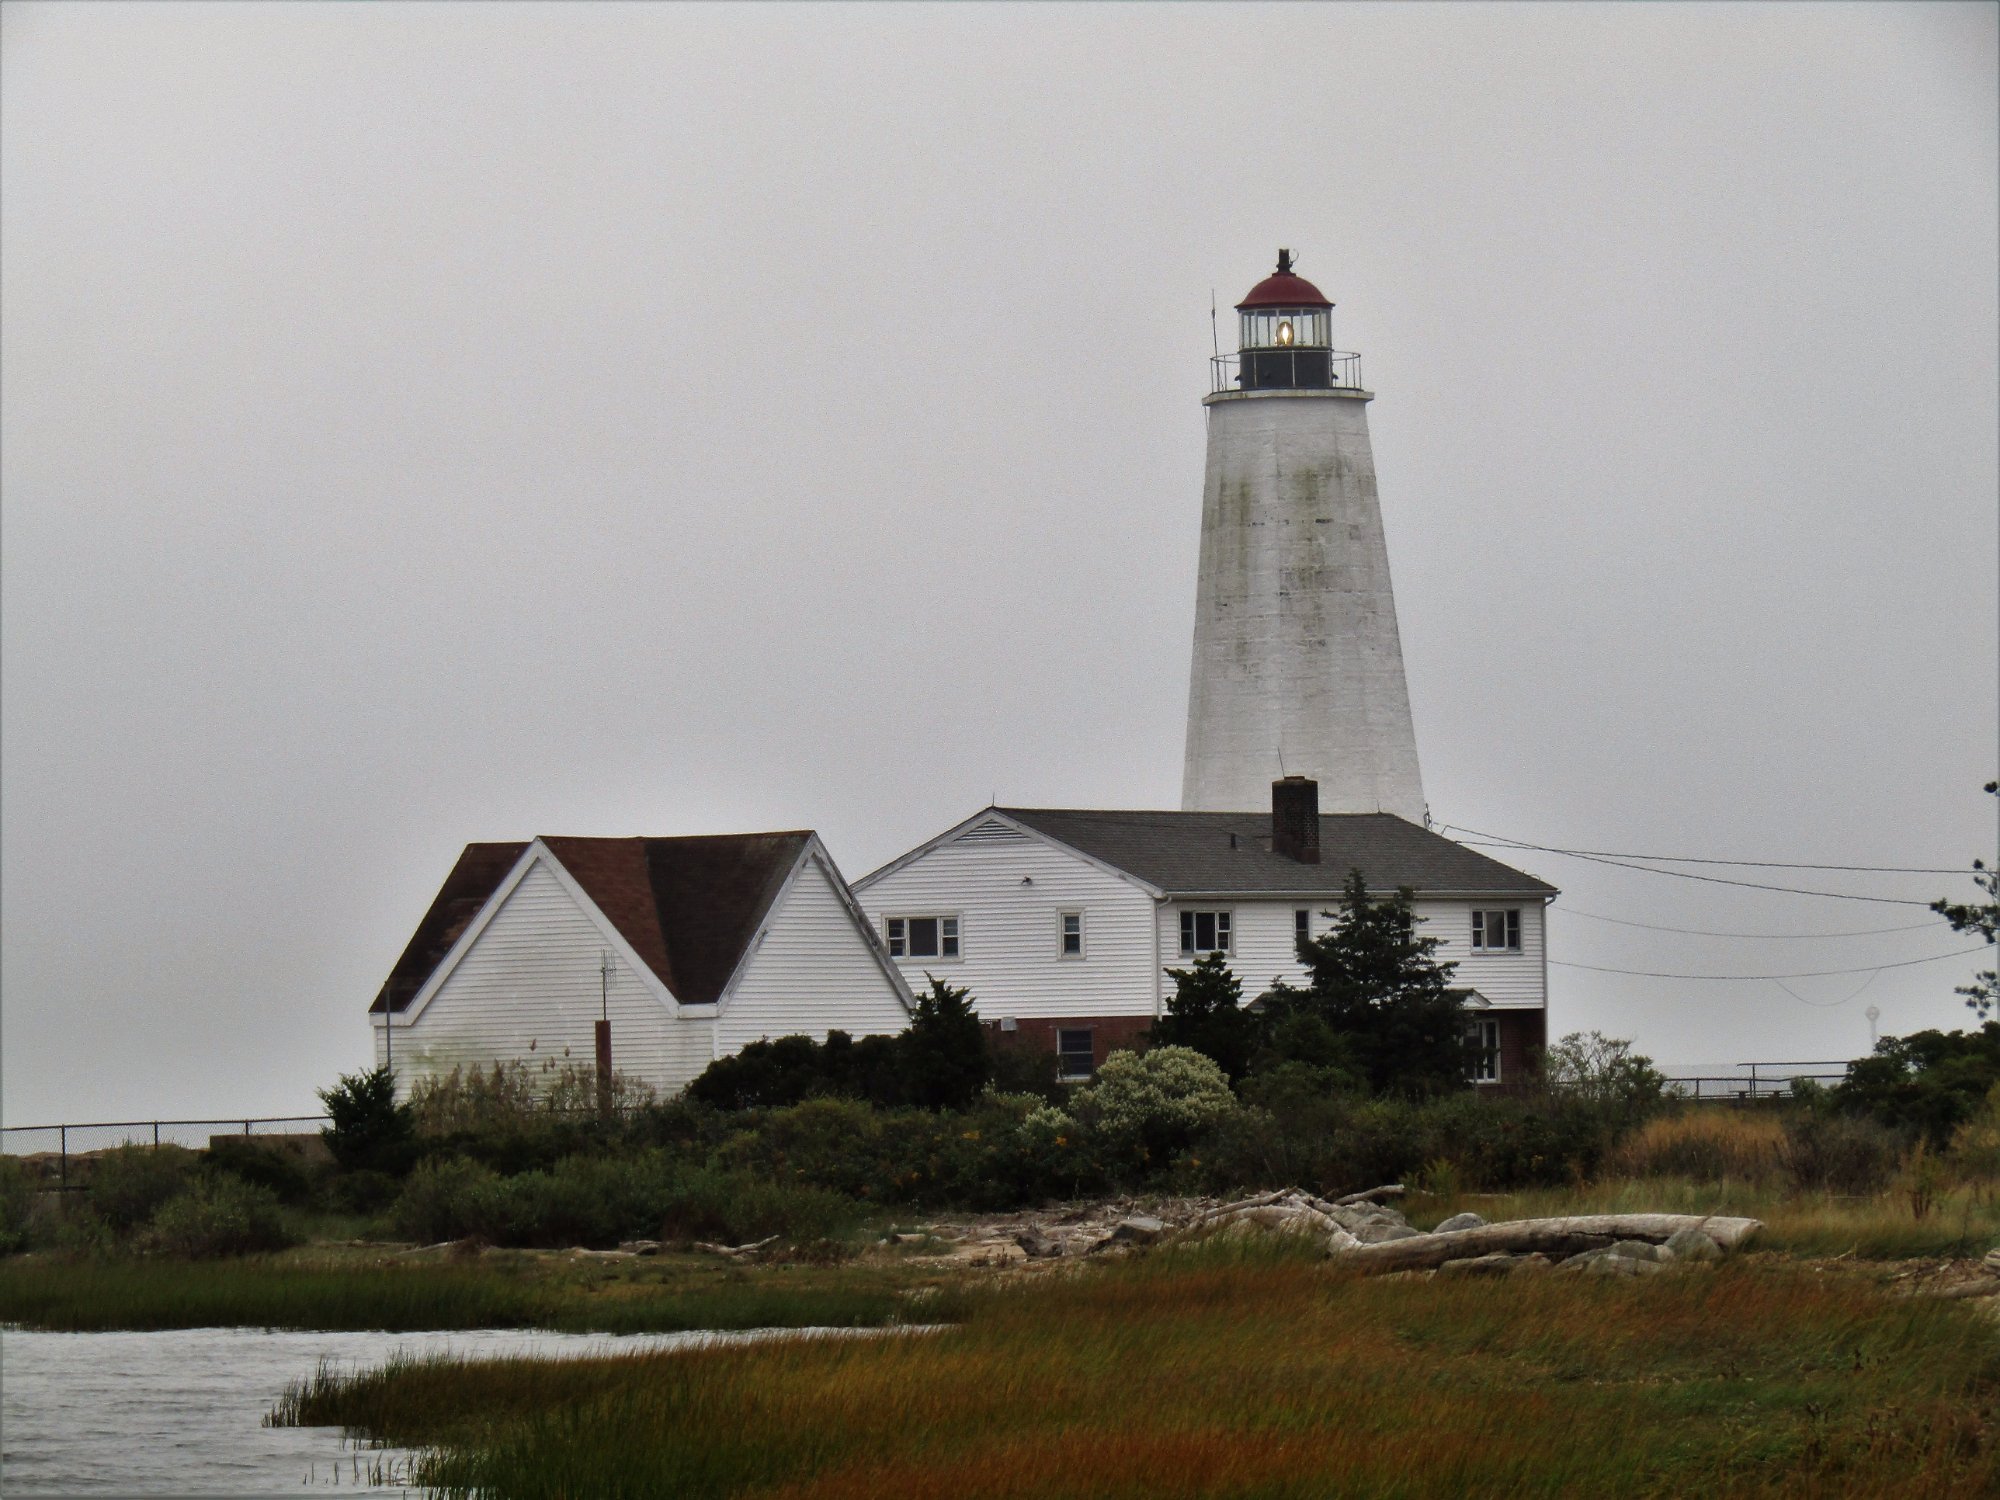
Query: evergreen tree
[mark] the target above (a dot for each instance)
(1206, 1012)
(1375, 984)
(370, 1130)
(945, 1061)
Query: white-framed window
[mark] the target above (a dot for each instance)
(1486, 1061)
(1302, 925)
(1497, 931)
(1069, 930)
(1076, 1056)
(1204, 932)
(934, 936)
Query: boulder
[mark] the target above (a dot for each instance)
(1381, 1233)
(1459, 1221)
(1692, 1244)
(1140, 1229)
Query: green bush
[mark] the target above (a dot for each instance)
(19, 1188)
(369, 1129)
(1929, 1081)
(268, 1165)
(437, 1201)
(128, 1184)
(1147, 1107)
(219, 1215)
(360, 1192)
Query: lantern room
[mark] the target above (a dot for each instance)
(1285, 337)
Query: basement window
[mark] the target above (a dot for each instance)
(921, 937)
(1072, 934)
(1075, 1057)
(1204, 932)
(1497, 931)
(1486, 1060)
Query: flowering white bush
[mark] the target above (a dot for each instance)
(1167, 1095)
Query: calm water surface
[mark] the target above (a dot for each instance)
(182, 1411)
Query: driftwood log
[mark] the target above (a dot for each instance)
(1552, 1237)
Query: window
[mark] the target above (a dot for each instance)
(1075, 1057)
(1497, 931)
(1072, 934)
(1302, 925)
(1204, 932)
(921, 937)
(1486, 1062)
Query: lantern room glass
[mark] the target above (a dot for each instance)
(1285, 328)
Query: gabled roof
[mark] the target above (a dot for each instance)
(1219, 854)
(688, 907)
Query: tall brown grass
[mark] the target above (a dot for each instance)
(1228, 1371)
(1709, 1145)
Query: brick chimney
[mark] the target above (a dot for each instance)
(1295, 819)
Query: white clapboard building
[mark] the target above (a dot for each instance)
(1062, 923)
(688, 947)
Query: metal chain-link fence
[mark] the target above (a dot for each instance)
(59, 1145)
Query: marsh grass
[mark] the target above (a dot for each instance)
(1227, 1371)
(663, 1296)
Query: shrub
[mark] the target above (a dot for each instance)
(943, 1053)
(1708, 1145)
(1019, 1068)
(361, 1192)
(219, 1215)
(1153, 1103)
(267, 1165)
(370, 1129)
(18, 1190)
(129, 1183)
(1604, 1073)
(1841, 1154)
(438, 1199)
(1975, 1146)
(1932, 1081)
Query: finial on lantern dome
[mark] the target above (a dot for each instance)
(1284, 262)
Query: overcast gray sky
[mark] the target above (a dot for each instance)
(426, 424)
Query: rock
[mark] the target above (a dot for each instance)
(1992, 1261)
(1036, 1244)
(1608, 1262)
(1692, 1244)
(1528, 1265)
(1642, 1250)
(1459, 1221)
(1498, 1264)
(989, 1253)
(1140, 1229)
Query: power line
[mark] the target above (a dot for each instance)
(1811, 974)
(1787, 937)
(1753, 885)
(1853, 994)
(1690, 859)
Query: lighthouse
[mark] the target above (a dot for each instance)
(1298, 666)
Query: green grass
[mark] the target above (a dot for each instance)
(1880, 1227)
(1235, 1372)
(499, 1291)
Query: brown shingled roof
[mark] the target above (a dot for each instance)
(689, 907)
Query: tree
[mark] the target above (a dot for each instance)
(1603, 1072)
(945, 1061)
(1982, 996)
(1932, 1081)
(1206, 1012)
(370, 1130)
(1375, 984)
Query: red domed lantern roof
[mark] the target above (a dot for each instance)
(1283, 289)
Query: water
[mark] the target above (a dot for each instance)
(181, 1412)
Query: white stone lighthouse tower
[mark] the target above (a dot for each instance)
(1298, 668)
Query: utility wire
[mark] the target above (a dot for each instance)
(1853, 994)
(1754, 885)
(1774, 937)
(1811, 974)
(1689, 859)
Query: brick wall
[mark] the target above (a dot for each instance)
(1108, 1034)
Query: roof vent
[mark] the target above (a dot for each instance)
(1295, 819)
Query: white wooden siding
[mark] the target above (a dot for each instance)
(1262, 948)
(1507, 979)
(1009, 891)
(812, 972)
(527, 990)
